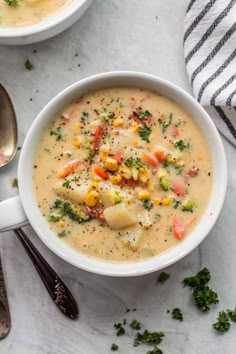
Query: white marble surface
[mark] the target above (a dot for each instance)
(112, 35)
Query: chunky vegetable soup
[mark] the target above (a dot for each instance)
(27, 12)
(122, 174)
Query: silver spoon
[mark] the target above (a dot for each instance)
(55, 286)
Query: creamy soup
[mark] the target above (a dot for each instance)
(27, 12)
(122, 174)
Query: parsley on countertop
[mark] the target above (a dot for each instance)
(135, 325)
(163, 276)
(222, 324)
(177, 314)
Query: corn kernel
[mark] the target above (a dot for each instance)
(103, 152)
(76, 142)
(111, 164)
(115, 179)
(125, 172)
(143, 194)
(77, 127)
(143, 175)
(135, 128)
(150, 185)
(179, 163)
(117, 122)
(114, 197)
(199, 157)
(156, 201)
(61, 223)
(93, 185)
(166, 201)
(91, 198)
(161, 173)
(135, 142)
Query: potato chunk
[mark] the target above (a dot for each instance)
(119, 216)
(131, 237)
(74, 194)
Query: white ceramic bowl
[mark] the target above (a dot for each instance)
(47, 28)
(38, 222)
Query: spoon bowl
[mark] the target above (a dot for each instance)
(8, 128)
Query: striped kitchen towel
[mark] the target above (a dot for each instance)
(210, 57)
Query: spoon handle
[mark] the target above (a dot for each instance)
(58, 291)
(5, 319)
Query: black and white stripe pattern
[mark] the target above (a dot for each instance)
(210, 57)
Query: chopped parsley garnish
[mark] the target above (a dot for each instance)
(147, 204)
(145, 132)
(232, 315)
(163, 124)
(134, 162)
(204, 297)
(57, 133)
(28, 64)
(142, 115)
(181, 145)
(177, 314)
(135, 325)
(222, 324)
(148, 338)
(119, 329)
(84, 116)
(155, 350)
(201, 278)
(163, 276)
(54, 217)
(15, 182)
(178, 124)
(62, 234)
(12, 2)
(114, 347)
(107, 117)
(66, 184)
(176, 203)
(90, 154)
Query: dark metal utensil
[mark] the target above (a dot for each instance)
(58, 291)
(5, 320)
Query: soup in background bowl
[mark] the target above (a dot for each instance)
(28, 12)
(123, 174)
(30, 21)
(140, 189)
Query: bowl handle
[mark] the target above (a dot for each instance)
(12, 214)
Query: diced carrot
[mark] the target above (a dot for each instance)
(175, 131)
(150, 120)
(160, 155)
(101, 172)
(179, 228)
(68, 169)
(178, 188)
(98, 136)
(148, 158)
(118, 157)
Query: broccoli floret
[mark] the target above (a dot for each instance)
(188, 205)
(165, 183)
